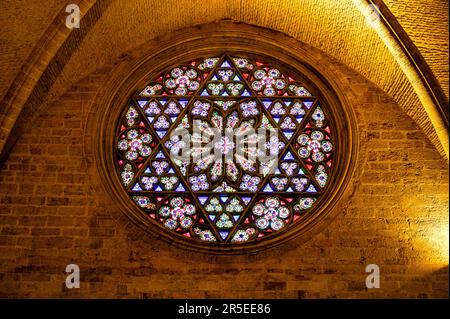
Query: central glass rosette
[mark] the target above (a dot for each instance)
(227, 150)
(224, 150)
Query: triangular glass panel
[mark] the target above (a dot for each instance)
(160, 155)
(288, 156)
(202, 199)
(267, 104)
(224, 234)
(137, 187)
(183, 103)
(223, 199)
(180, 188)
(225, 64)
(299, 119)
(246, 93)
(142, 103)
(288, 135)
(308, 104)
(161, 133)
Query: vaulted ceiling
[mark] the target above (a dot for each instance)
(339, 28)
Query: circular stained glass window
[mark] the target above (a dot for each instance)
(225, 150)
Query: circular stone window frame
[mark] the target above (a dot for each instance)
(162, 54)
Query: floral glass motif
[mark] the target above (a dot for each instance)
(233, 199)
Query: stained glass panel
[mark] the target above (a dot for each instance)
(225, 150)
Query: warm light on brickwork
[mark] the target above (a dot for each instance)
(438, 243)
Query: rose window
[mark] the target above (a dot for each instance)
(226, 150)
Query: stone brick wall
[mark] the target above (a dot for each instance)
(51, 216)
